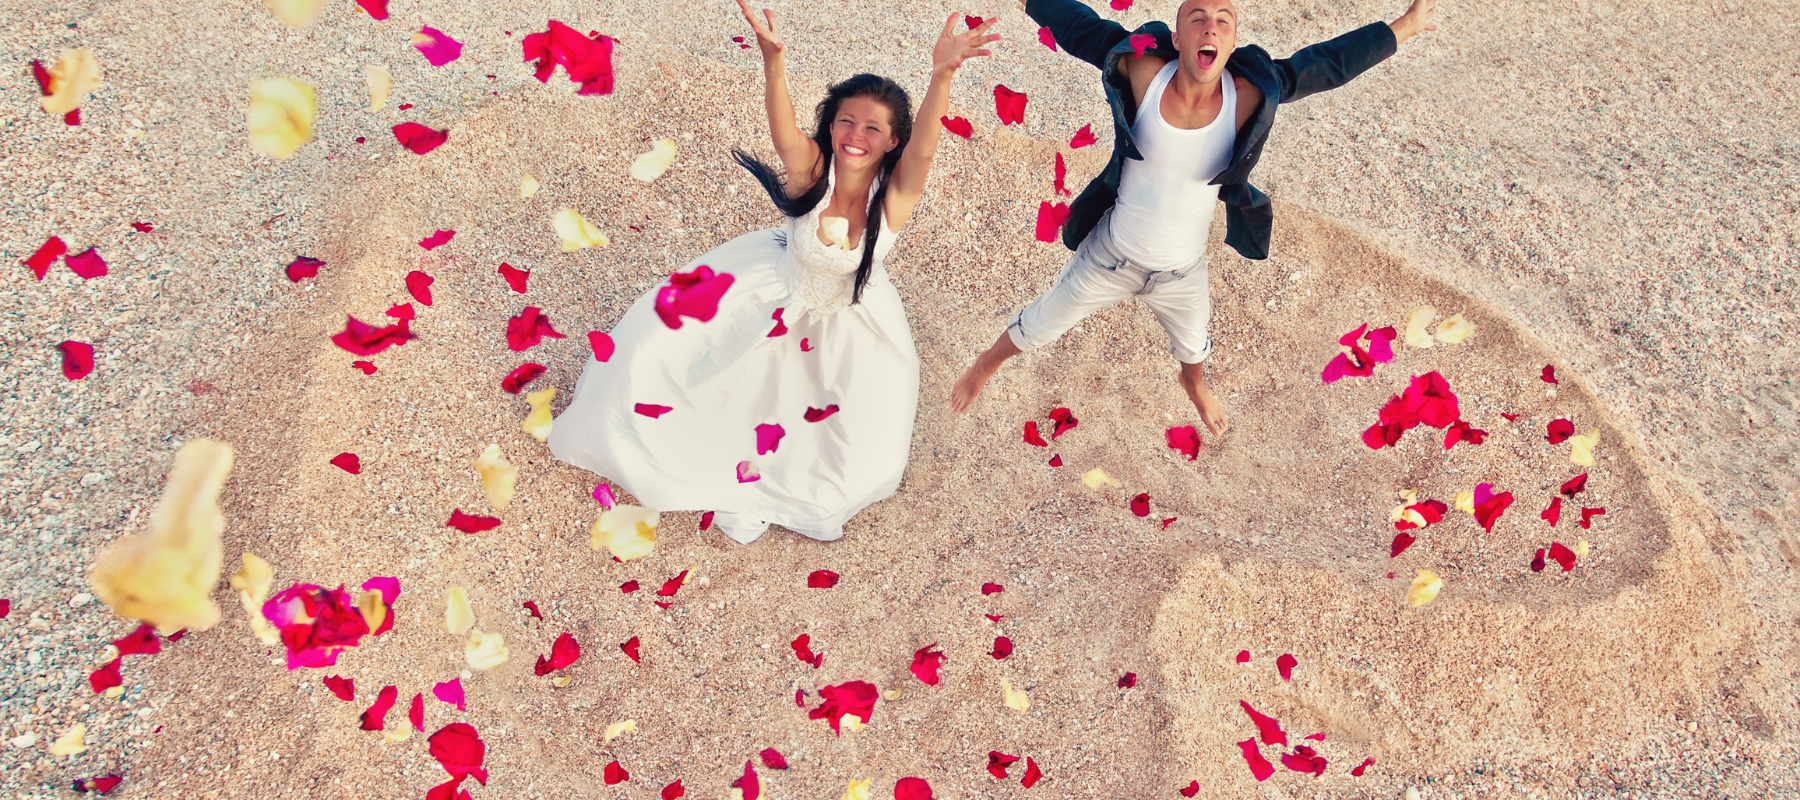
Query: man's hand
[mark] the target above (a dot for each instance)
(1417, 18)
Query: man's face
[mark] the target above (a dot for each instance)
(1205, 35)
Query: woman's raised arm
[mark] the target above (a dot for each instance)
(928, 127)
(798, 153)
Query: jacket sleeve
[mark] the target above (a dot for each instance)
(1330, 64)
(1078, 30)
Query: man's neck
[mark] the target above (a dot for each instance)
(1195, 91)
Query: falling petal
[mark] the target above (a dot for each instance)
(521, 376)
(75, 76)
(497, 476)
(47, 254)
(282, 111)
(459, 617)
(748, 472)
(587, 59)
(419, 138)
(627, 532)
(1047, 38)
(850, 699)
(1454, 330)
(451, 692)
(165, 576)
(576, 233)
(538, 422)
(958, 126)
(1260, 768)
(1082, 138)
(252, 583)
(485, 651)
(436, 46)
(651, 165)
(1424, 589)
(1009, 105)
(1050, 220)
(925, 664)
(471, 523)
(528, 188)
(380, 82)
(1266, 726)
(1581, 448)
(1588, 515)
(297, 13)
(1185, 440)
(87, 264)
(1417, 321)
(1285, 664)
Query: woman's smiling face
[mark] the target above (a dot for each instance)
(862, 132)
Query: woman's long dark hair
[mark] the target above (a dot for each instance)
(865, 85)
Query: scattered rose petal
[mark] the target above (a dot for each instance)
(819, 414)
(1032, 437)
(515, 277)
(1139, 41)
(1082, 138)
(972, 22)
(100, 785)
(485, 650)
(1425, 587)
(78, 359)
(673, 791)
(1065, 421)
(1381, 344)
(910, 789)
(563, 652)
(344, 688)
(532, 606)
(693, 294)
(166, 575)
(460, 751)
(802, 646)
(618, 729)
(748, 473)
(1185, 440)
(1128, 680)
(282, 112)
(363, 339)
(1417, 320)
(836, 231)
(1401, 542)
(651, 165)
(998, 762)
(1243, 657)
(377, 8)
(419, 138)
(586, 59)
(628, 587)
(1097, 477)
(469, 523)
(672, 585)
(1167, 521)
(302, 268)
(805, 345)
(852, 698)
(73, 742)
(1574, 486)
(1047, 38)
(1463, 432)
(1549, 375)
(375, 718)
(1050, 220)
(1015, 699)
(1266, 726)
(380, 82)
(1304, 759)
(630, 648)
(781, 327)
(66, 85)
(958, 126)
(749, 786)
(450, 692)
(403, 311)
(1061, 174)
(577, 233)
(1581, 448)
(1489, 510)
(1003, 647)
(1360, 768)
(1009, 105)
(1056, 460)
(376, 603)
(652, 410)
(628, 532)
(925, 664)
(992, 588)
(994, 617)
(1259, 766)
(1553, 513)
(1427, 400)
(367, 367)
(1558, 431)
(528, 328)
(1285, 664)
(436, 46)
(1588, 515)
(1140, 505)
(1032, 773)
(821, 579)
(436, 240)
(1454, 330)
(88, 264)
(768, 438)
(1562, 555)
(347, 462)
(107, 676)
(521, 376)
(47, 254)
(1192, 789)
(614, 774)
(316, 624)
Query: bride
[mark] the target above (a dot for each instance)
(793, 402)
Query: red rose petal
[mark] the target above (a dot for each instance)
(528, 328)
(821, 579)
(1463, 432)
(101, 785)
(1032, 773)
(1032, 437)
(1266, 726)
(1167, 521)
(1510, 417)
(768, 438)
(1003, 647)
(998, 762)
(1048, 38)
(47, 254)
(344, 688)
(630, 648)
(925, 664)
(1432, 511)
(1381, 344)
(88, 264)
(1489, 510)
(1128, 680)
(1061, 174)
(1553, 514)
(1009, 105)
(992, 588)
(469, 523)
(521, 376)
(563, 652)
(602, 344)
(1558, 431)
(1243, 657)
(852, 698)
(347, 462)
(532, 606)
(1140, 505)
(972, 22)
(1549, 375)
(363, 339)
(402, 311)
(781, 327)
(628, 587)
(772, 758)
(994, 617)
(1050, 220)
(1574, 486)
(515, 278)
(1082, 138)
(912, 789)
(586, 59)
(375, 719)
(303, 267)
(693, 294)
(437, 47)
(1139, 41)
(614, 774)
(1065, 421)
(1121, 5)
(1317, 737)
(672, 585)
(437, 240)
(749, 786)
(1360, 768)
(651, 410)
(805, 346)
(419, 138)
(820, 414)
(1192, 789)
(958, 125)
(1259, 766)
(673, 791)
(1401, 542)
(1185, 440)
(706, 520)
(377, 8)
(42, 75)
(460, 751)
(802, 646)
(78, 359)
(1056, 460)
(416, 713)
(800, 697)
(1285, 664)
(1537, 561)
(1588, 515)
(1562, 555)
(1304, 759)
(107, 676)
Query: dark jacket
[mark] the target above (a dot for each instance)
(1106, 44)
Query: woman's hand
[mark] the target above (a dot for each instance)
(954, 48)
(767, 37)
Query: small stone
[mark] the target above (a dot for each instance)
(80, 600)
(25, 740)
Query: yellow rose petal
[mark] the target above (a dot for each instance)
(1454, 330)
(528, 187)
(1581, 547)
(1581, 448)
(297, 13)
(1409, 496)
(1417, 320)
(1409, 515)
(166, 576)
(537, 423)
(626, 531)
(114, 692)
(857, 790)
(399, 734)
(485, 650)
(1097, 477)
(1465, 501)
(1425, 588)
(576, 233)
(652, 165)
(282, 112)
(458, 616)
(618, 729)
(252, 585)
(374, 611)
(75, 741)
(74, 77)
(497, 476)
(1015, 699)
(380, 83)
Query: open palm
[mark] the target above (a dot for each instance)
(954, 48)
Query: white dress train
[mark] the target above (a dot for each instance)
(725, 377)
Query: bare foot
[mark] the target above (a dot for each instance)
(969, 386)
(1212, 412)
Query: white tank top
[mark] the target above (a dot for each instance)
(1165, 207)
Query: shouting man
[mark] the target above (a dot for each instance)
(1191, 111)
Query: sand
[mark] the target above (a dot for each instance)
(1605, 187)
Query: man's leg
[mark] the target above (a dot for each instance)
(1091, 281)
(1183, 304)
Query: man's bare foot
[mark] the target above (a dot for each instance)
(975, 378)
(1212, 412)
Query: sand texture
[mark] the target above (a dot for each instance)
(1606, 187)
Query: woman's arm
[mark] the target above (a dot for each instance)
(799, 154)
(928, 126)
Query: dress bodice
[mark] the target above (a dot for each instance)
(823, 276)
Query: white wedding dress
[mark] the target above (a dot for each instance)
(725, 377)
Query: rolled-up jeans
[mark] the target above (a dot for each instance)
(1098, 277)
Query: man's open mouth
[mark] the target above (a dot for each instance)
(1208, 54)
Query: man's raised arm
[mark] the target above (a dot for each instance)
(1078, 30)
(1330, 64)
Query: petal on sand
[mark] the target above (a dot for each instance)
(51, 250)
(419, 138)
(538, 422)
(1424, 589)
(1082, 138)
(575, 232)
(651, 165)
(821, 579)
(1050, 220)
(469, 523)
(347, 462)
(1009, 105)
(380, 82)
(521, 376)
(958, 126)
(627, 532)
(436, 46)
(498, 476)
(1185, 440)
(925, 664)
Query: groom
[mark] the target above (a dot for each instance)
(1184, 137)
